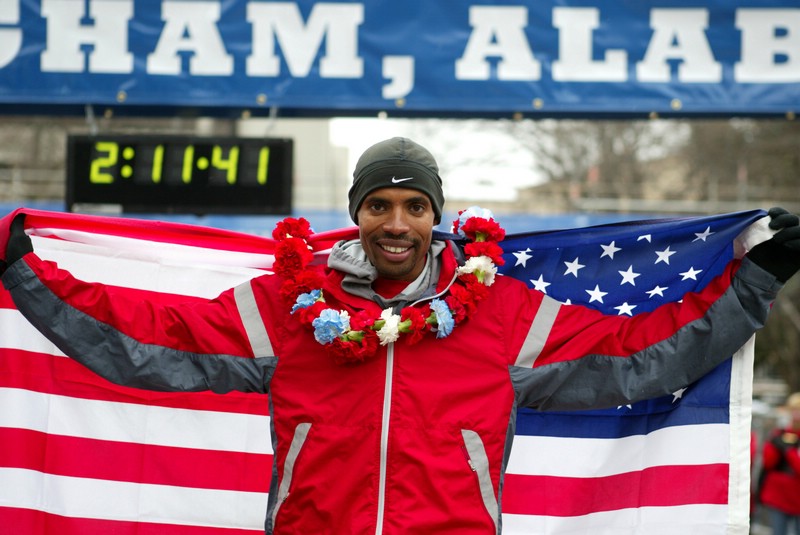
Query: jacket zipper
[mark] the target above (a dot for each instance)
(387, 409)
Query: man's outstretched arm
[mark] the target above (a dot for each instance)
(130, 341)
(587, 359)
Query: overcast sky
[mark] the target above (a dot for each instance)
(466, 151)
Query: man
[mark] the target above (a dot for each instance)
(414, 436)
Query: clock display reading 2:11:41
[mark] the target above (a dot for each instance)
(206, 164)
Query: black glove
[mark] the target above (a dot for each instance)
(19, 243)
(780, 255)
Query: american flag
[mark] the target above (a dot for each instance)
(79, 455)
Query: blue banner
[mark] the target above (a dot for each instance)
(415, 57)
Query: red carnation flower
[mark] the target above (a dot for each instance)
(418, 327)
(291, 256)
(486, 248)
(291, 227)
(457, 308)
(462, 301)
(361, 321)
(303, 283)
(308, 314)
(310, 279)
(476, 288)
(289, 292)
(488, 228)
(348, 353)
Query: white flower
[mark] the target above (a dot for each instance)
(482, 267)
(390, 331)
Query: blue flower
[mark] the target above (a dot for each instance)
(444, 319)
(330, 325)
(306, 300)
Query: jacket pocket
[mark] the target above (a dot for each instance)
(479, 463)
(300, 436)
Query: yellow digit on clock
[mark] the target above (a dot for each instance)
(97, 174)
(229, 164)
(263, 165)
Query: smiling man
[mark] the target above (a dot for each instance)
(395, 228)
(412, 433)
(396, 199)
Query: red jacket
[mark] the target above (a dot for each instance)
(417, 439)
(781, 463)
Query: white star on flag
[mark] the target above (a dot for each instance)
(625, 308)
(629, 276)
(678, 394)
(691, 274)
(573, 267)
(646, 237)
(658, 290)
(596, 294)
(663, 256)
(540, 284)
(703, 235)
(609, 250)
(522, 257)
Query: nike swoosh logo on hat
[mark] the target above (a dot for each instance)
(398, 180)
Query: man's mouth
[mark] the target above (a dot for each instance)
(394, 250)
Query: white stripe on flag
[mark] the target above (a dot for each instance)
(740, 410)
(114, 500)
(684, 519)
(129, 422)
(176, 276)
(576, 457)
(17, 333)
(151, 250)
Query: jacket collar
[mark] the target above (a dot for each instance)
(350, 275)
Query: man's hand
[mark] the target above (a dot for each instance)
(19, 243)
(780, 255)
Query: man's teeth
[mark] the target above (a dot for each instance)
(395, 250)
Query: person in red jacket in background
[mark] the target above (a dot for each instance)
(780, 490)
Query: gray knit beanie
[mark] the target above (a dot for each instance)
(396, 163)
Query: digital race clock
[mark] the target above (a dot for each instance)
(180, 174)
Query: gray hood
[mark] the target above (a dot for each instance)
(349, 258)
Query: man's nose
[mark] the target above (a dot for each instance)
(396, 222)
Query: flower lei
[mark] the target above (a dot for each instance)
(353, 338)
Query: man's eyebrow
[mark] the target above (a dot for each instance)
(378, 198)
(418, 199)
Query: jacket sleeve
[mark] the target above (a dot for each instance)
(146, 341)
(572, 357)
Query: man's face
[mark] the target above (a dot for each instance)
(395, 226)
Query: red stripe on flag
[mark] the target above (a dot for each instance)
(5, 299)
(652, 487)
(164, 231)
(62, 376)
(31, 522)
(138, 463)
